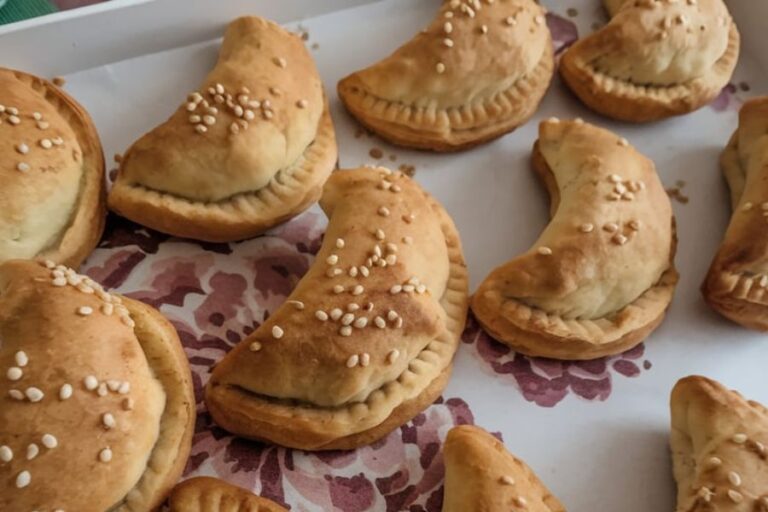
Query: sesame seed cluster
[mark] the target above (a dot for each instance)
(468, 9)
(13, 117)
(707, 493)
(680, 19)
(357, 313)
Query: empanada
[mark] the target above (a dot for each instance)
(654, 59)
(205, 494)
(250, 149)
(366, 339)
(718, 448)
(52, 178)
(736, 283)
(477, 72)
(97, 409)
(601, 275)
(481, 475)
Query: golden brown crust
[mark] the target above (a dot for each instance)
(589, 295)
(204, 494)
(719, 453)
(61, 195)
(129, 430)
(359, 350)
(480, 474)
(487, 83)
(250, 149)
(591, 67)
(736, 283)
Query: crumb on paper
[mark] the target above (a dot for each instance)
(596, 26)
(376, 153)
(744, 86)
(112, 175)
(59, 81)
(359, 132)
(572, 12)
(315, 46)
(118, 158)
(408, 170)
(676, 193)
(393, 157)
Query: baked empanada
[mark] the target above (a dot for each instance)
(481, 475)
(477, 72)
(366, 339)
(250, 149)
(718, 448)
(601, 275)
(205, 494)
(97, 409)
(736, 283)
(52, 178)
(654, 59)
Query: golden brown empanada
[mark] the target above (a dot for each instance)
(481, 475)
(477, 72)
(97, 408)
(52, 178)
(250, 149)
(205, 494)
(654, 59)
(718, 448)
(366, 339)
(601, 275)
(736, 283)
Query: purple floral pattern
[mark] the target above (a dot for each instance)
(546, 382)
(564, 32)
(215, 295)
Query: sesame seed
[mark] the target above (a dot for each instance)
(619, 239)
(360, 322)
(407, 240)
(383, 211)
(379, 322)
(448, 42)
(22, 148)
(586, 228)
(191, 106)
(297, 304)
(105, 455)
(14, 373)
(302, 103)
(734, 478)
(249, 115)
(23, 479)
(421, 288)
(396, 289)
(338, 289)
(102, 389)
(37, 116)
(353, 271)
(484, 29)
(107, 309)
(448, 27)
(747, 206)
(332, 259)
(409, 288)
(347, 319)
(391, 259)
(611, 227)
(395, 188)
(520, 501)
(6, 454)
(392, 356)
(369, 306)
(90, 383)
(16, 394)
(22, 167)
(392, 315)
(353, 360)
(739, 438)
(280, 62)
(108, 420)
(623, 142)
(277, 332)
(634, 225)
(58, 141)
(219, 88)
(506, 480)
(511, 21)
(440, 68)
(715, 461)
(364, 270)
(735, 496)
(128, 404)
(353, 306)
(200, 128)
(14, 120)
(539, 19)
(614, 178)
(346, 331)
(84, 310)
(32, 451)
(339, 243)
(34, 394)
(544, 251)
(365, 359)
(239, 111)
(255, 346)
(358, 290)
(380, 235)
(50, 441)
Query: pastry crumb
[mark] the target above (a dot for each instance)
(408, 170)
(677, 194)
(744, 86)
(393, 158)
(118, 158)
(376, 153)
(359, 133)
(315, 46)
(572, 12)
(59, 81)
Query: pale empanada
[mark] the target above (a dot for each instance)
(205, 494)
(477, 72)
(654, 59)
(97, 409)
(366, 339)
(52, 177)
(481, 475)
(736, 283)
(250, 149)
(719, 450)
(601, 275)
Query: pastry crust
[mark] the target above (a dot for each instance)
(654, 59)
(736, 283)
(115, 395)
(366, 339)
(481, 475)
(251, 149)
(470, 77)
(52, 187)
(719, 453)
(601, 276)
(205, 494)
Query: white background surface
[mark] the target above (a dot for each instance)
(596, 456)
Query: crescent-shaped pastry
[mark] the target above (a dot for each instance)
(205, 494)
(736, 283)
(365, 341)
(719, 449)
(601, 275)
(97, 405)
(477, 72)
(250, 149)
(654, 59)
(481, 475)
(51, 173)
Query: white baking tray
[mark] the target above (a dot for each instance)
(595, 432)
